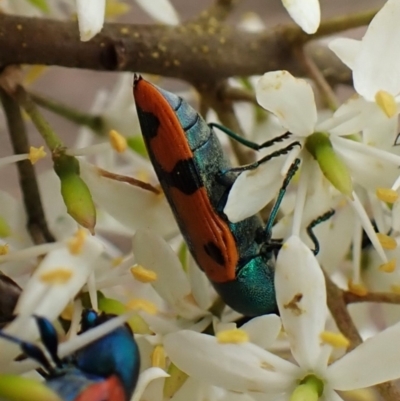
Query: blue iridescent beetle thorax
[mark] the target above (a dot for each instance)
(114, 354)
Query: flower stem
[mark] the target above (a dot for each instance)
(94, 122)
(50, 137)
(36, 220)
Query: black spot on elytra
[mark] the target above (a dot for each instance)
(184, 177)
(148, 122)
(215, 253)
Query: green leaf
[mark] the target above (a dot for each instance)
(136, 143)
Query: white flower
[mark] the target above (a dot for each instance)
(291, 100)
(301, 297)
(306, 13)
(375, 61)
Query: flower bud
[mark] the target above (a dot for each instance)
(75, 192)
(333, 168)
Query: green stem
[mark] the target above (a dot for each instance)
(94, 122)
(26, 102)
(344, 23)
(295, 34)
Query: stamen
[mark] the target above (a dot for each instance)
(337, 340)
(386, 241)
(235, 336)
(387, 195)
(56, 276)
(35, 154)
(386, 102)
(143, 275)
(118, 142)
(32, 252)
(142, 304)
(388, 267)
(357, 288)
(75, 244)
(4, 249)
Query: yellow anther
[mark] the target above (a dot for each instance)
(142, 304)
(68, 311)
(115, 8)
(386, 102)
(158, 359)
(118, 142)
(36, 154)
(235, 336)
(357, 288)
(76, 243)
(395, 288)
(117, 261)
(60, 275)
(387, 195)
(34, 73)
(386, 241)
(4, 249)
(143, 275)
(337, 340)
(388, 267)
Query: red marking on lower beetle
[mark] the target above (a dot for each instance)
(106, 390)
(195, 213)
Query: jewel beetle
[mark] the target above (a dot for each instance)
(105, 370)
(238, 258)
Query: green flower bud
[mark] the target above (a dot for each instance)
(74, 191)
(17, 388)
(333, 168)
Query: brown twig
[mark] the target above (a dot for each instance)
(317, 76)
(379, 297)
(36, 223)
(191, 52)
(224, 109)
(344, 322)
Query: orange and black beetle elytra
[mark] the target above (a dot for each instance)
(238, 258)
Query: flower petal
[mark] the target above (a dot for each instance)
(90, 17)
(346, 49)
(263, 330)
(160, 10)
(306, 13)
(290, 99)
(237, 367)
(378, 63)
(254, 189)
(301, 297)
(370, 363)
(132, 206)
(145, 378)
(172, 284)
